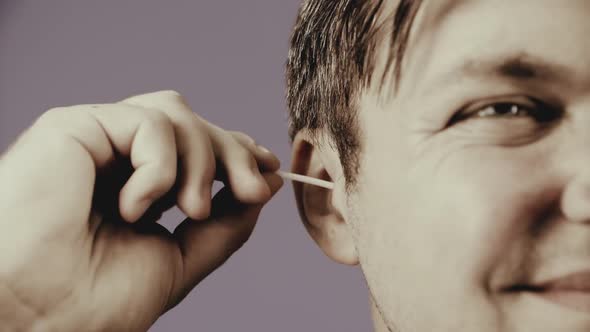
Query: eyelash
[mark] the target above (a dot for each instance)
(539, 111)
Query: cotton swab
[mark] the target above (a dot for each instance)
(306, 179)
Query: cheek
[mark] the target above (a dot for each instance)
(443, 222)
(499, 204)
(486, 200)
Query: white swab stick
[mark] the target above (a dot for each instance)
(306, 179)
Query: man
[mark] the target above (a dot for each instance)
(459, 134)
(455, 133)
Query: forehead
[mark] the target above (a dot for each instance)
(450, 34)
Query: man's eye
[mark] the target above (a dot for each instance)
(535, 110)
(503, 109)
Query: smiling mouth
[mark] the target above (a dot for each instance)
(571, 291)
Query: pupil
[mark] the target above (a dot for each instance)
(507, 109)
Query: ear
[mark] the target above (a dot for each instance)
(322, 210)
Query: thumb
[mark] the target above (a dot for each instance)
(206, 245)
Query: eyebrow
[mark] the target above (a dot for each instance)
(515, 67)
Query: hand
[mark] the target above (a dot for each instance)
(80, 193)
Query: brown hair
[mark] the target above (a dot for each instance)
(331, 59)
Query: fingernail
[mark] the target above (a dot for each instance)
(263, 149)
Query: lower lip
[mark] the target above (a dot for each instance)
(572, 299)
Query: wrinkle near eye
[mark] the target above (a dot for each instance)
(502, 133)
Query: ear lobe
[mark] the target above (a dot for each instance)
(323, 218)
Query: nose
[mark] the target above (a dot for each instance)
(575, 161)
(575, 200)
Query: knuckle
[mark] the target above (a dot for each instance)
(58, 126)
(170, 93)
(197, 125)
(53, 114)
(55, 118)
(176, 106)
(242, 154)
(243, 137)
(157, 98)
(156, 118)
(173, 97)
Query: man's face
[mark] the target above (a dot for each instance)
(474, 184)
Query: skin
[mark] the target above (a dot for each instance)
(82, 251)
(450, 211)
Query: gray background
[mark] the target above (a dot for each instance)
(227, 58)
